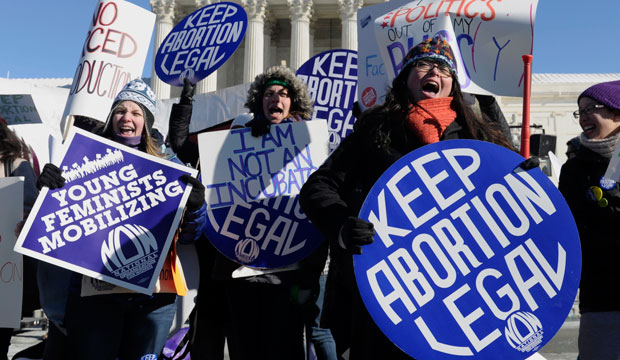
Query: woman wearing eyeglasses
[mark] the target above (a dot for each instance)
(595, 203)
(425, 105)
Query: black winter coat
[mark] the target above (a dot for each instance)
(599, 230)
(336, 191)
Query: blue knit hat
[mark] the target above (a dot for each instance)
(435, 48)
(607, 93)
(140, 93)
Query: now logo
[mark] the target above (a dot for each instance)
(125, 245)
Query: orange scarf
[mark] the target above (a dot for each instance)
(429, 118)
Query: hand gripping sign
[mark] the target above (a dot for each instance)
(471, 259)
(114, 219)
(331, 77)
(252, 186)
(201, 43)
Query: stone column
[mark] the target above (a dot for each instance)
(267, 31)
(348, 16)
(164, 9)
(254, 39)
(300, 11)
(313, 25)
(209, 83)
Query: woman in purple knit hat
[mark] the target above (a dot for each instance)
(595, 203)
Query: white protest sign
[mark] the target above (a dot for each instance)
(488, 40)
(613, 169)
(238, 168)
(11, 268)
(113, 54)
(18, 109)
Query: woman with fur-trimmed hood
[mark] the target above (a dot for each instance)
(265, 311)
(275, 96)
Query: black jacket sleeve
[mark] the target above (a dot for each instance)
(178, 134)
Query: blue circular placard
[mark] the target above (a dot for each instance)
(201, 43)
(263, 234)
(472, 258)
(331, 77)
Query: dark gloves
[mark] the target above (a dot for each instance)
(356, 233)
(531, 163)
(260, 126)
(187, 94)
(197, 196)
(51, 177)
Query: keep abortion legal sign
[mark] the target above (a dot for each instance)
(471, 258)
(115, 217)
(18, 109)
(331, 78)
(201, 43)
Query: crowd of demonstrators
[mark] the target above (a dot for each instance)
(15, 161)
(595, 204)
(125, 325)
(424, 105)
(266, 314)
(263, 316)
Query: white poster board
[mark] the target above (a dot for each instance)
(488, 40)
(113, 54)
(238, 167)
(11, 266)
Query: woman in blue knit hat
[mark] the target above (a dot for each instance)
(595, 204)
(119, 323)
(424, 105)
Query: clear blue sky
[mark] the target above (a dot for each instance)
(43, 38)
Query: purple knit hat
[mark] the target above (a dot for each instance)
(607, 93)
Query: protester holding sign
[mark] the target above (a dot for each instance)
(424, 105)
(595, 203)
(126, 324)
(265, 308)
(14, 161)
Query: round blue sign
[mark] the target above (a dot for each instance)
(201, 43)
(263, 234)
(331, 78)
(472, 258)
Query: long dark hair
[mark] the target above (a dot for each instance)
(398, 104)
(12, 147)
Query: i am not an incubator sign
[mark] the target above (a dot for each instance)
(115, 217)
(471, 258)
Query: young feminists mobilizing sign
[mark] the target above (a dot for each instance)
(471, 258)
(114, 219)
(201, 43)
(331, 78)
(488, 39)
(252, 186)
(113, 54)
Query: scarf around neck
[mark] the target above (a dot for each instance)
(429, 118)
(604, 147)
(132, 142)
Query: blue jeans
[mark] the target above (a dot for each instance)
(127, 326)
(321, 338)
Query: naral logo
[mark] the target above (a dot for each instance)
(141, 248)
(247, 250)
(523, 331)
